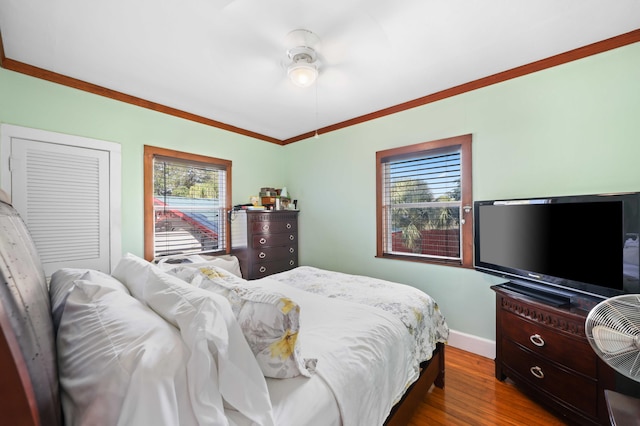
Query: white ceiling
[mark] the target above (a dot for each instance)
(222, 59)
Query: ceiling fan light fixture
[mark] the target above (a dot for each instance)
(302, 73)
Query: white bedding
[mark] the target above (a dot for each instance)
(367, 352)
(355, 327)
(362, 370)
(297, 401)
(359, 351)
(417, 310)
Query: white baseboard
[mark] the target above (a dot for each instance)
(470, 343)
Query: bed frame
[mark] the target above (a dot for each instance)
(431, 373)
(29, 389)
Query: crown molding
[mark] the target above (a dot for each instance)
(552, 61)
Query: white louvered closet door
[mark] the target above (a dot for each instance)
(62, 193)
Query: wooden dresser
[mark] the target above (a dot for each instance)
(544, 350)
(265, 242)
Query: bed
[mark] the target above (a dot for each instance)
(196, 344)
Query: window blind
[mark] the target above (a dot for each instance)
(189, 200)
(422, 204)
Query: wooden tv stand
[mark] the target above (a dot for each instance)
(544, 350)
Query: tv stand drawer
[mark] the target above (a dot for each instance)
(577, 390)
(549, 342)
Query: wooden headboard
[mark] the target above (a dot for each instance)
(29, 393)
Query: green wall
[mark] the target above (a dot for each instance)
(568, 130)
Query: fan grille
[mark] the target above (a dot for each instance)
(613, 330)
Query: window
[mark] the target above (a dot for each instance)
(186, 198)
(423, 206)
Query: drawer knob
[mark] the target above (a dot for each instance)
(263, 269)
(265, 227)
(263, 240)
(262, 255)
(291, 237)
(537, 340)
(288, 226)
(537, 372)
(291, 249)
(291, 262)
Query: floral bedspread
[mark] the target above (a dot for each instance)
(416, 309)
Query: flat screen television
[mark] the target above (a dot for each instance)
(568, 245)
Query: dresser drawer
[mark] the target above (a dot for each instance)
(271, 240)
(274, 227)
(576, 390)
(259, 270)
(271, 254)
(550, 343)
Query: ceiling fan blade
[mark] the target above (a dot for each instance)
(353, 39)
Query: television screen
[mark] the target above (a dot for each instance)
(588, 243)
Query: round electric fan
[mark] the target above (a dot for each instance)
(613, 330)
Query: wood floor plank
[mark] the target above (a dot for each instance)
(473, 396)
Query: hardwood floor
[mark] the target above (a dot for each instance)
(473, 396)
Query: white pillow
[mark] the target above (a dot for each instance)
(132, 271)
(224, 281)
(269, 320)
(219, 352)
(227, 262)
(119, 362)
(63, 281)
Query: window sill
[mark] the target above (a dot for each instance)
(420, 259)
